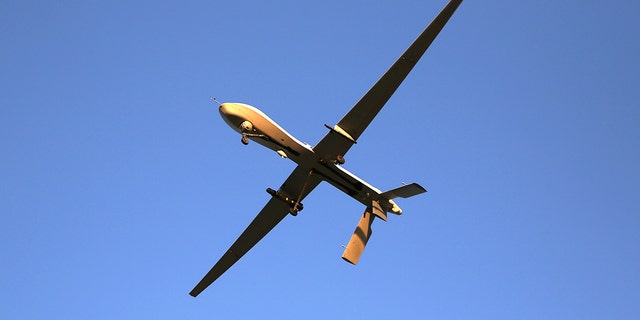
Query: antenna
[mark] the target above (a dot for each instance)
(215, 100)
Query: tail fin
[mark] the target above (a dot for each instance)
(359, 239)
(361, 235)
(405, 191)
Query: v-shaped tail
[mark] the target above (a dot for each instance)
(379, 208)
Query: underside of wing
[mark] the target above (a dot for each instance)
(297, 186)
(350, 127)
(272, 214)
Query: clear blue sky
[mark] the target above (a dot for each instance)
(121, 185)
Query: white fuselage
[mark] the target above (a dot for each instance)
(264, 130)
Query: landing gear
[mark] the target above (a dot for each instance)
(295, 206)
(246, 136)
(340, 159)
(246, 127)
(294, 211)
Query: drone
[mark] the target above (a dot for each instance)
(325, 160)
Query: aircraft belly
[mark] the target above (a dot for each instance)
(347, 183)
(278, 140)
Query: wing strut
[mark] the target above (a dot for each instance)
(294, 210)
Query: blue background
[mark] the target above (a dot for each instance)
(120, 185)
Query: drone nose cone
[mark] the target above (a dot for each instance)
(228, 110)
(224, 108)
(231, 114)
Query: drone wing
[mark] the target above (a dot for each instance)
(298, 184)
(338, 141)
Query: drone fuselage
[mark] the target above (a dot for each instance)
(256, 126)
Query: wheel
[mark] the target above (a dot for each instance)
(340, 159)
(244, 140)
